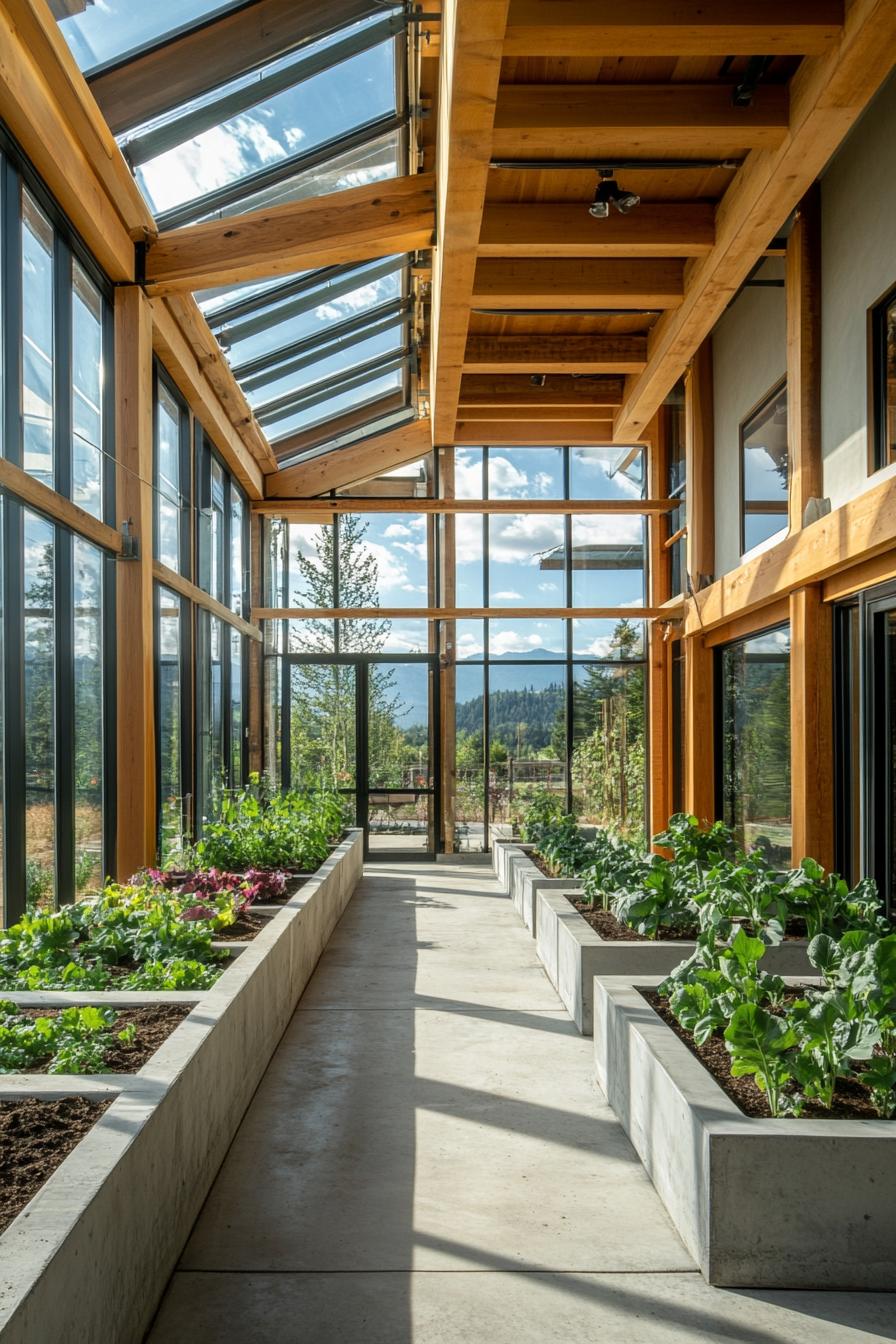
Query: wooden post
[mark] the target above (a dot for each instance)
(803, 291)
(699, 468)
(812, 725)
(256, 650)
(448, 655)
(659, 684)
(136, 838)
(699, 745)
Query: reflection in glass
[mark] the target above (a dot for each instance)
(756, 743)
(168, 494)
(210, 771)
(237, 560)
(87, 565)
(105, 32)
(237, 644)
(607, 639)
(525, 473)
(766, 470)
(87, 392)
(469, 825)
(608, 756)
(40, 710)
(172, 818)
(38, 339)
(607, 561)
(889, 360)
(398, 726)
(606, 473)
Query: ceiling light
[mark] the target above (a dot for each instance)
(610, 193)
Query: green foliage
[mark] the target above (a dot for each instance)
(74, 1040)
(259, 828)
(544, 811)
(760, 1044)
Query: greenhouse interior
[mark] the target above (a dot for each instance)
(448, 693)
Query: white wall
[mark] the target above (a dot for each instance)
(749, 355)
(858, 239)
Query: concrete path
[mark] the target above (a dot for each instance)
(427, 1161)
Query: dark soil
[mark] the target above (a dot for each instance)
(608, 926)
(244, 928)
(35, 1136)
(154, 1023)
(294, 884)
(851, 1097)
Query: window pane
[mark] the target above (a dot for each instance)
(87, 388)
(88, 720)
(172, 822)
(469, 824)
(236, 708)
(527, 735)
(40, 710)
(606, 473)
(237, 563)
(616, 639)
(608, 759)
(525, 473)
(3, 916)
(37, 342)
(527, 560)
(322, 726)
(765, 471)
(889, 358)
(216, 532)
(469, 570)
(607, 561)
(521, 639)
(756, 743)
(168, 498)
(103, 33)
(210, 716)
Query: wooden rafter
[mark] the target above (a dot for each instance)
(556, 392)
(827, 95)
(456, 613)
(470, 68)
(358, 224)
(570, 282)
(582, 28)
(521, 353)
(361, 461)
(560, 507)
(655, 120)
(561, 229)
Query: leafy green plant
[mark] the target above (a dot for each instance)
(545, 810)
(74, 1040)
(826, 903)
(264, 830)
(760, 1045)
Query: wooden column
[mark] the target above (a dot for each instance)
(699, 467)
(659, 649)
(136, 840)
(448, 655)
(699, 745)
(803, 291)
(812, 725)
(256, 650)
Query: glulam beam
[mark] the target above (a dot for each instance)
(565, 229)
(576, 283)
(520, 352)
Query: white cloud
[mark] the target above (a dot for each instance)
(416, 548)
(218, 156)
(510, 641)
(509, 596)
(543, 482)
(365, 296)
(505, 480)
(397, 530)
(516, 539)
(293, 135)
(549, 587)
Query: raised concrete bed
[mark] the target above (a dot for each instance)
(522, 879)
(87, 1260)
(573, 953)
(758, 1203)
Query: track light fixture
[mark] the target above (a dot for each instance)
(610, 193)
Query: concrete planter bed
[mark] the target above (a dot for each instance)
(761, 1203)
(88, 1258)
(522, 880)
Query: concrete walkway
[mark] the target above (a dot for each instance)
(428, 1162)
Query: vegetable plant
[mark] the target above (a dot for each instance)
(74, 1040)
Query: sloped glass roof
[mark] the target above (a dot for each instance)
(325, 113)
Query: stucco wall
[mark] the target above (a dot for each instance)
(749, 355)
(858, 239)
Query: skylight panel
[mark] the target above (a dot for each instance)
(335, 363)
(110, 29)
(292, 123)
(349, 399)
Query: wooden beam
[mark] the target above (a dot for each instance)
(359, 224)
(803, 294)
(827, 95)
(847, 538)
(776, 613)
(812, 726)
(448, 654)
(354, 504)
(557, 391)
(25, 487)
(700, 468)
(171, 579)
(360, 417)
(524, 353)
(188, 364)
(590, 28)
(455, 613)
(32, 113)
(577, 433)
(540, 415)
(348, 466)
(635, 120)
(469, 71)
(580, 283)
(37, 28)
(175, 71)
(565, 229)
(136, 838)
(659, 648)
(699, 734)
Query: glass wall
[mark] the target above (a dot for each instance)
(754, 722)
(552, 702)
(57, 593)
(883, 380)
(765, 471)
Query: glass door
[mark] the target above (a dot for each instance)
(367, 725)
(399, 718)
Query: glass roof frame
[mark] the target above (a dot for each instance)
(391, 419)
(328, 388)
(341, 336)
